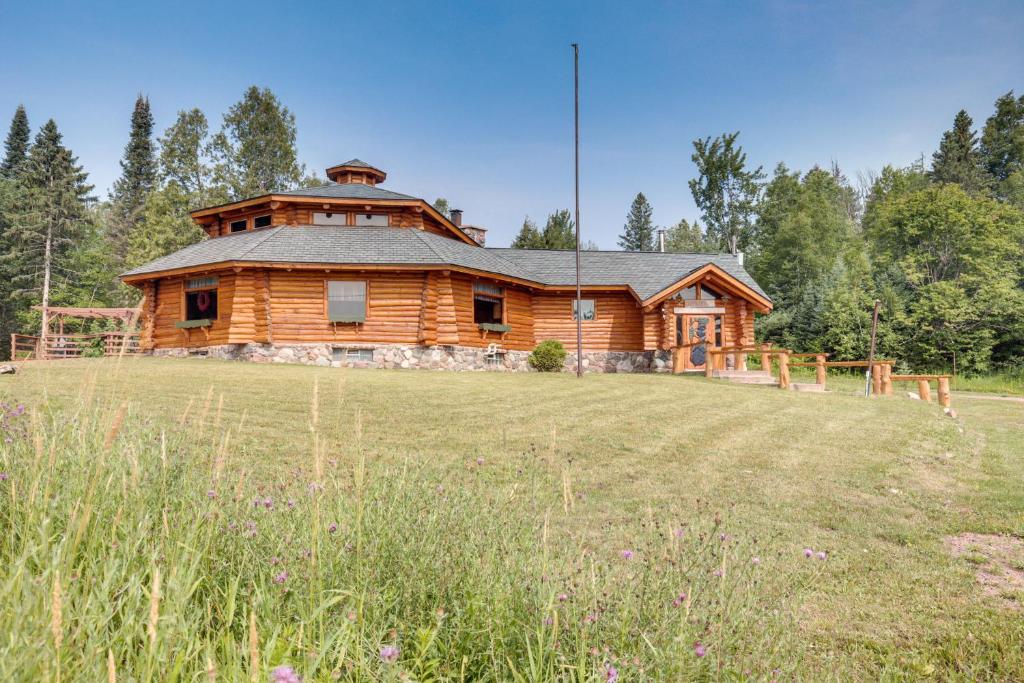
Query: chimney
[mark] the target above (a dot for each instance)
(456, 215)
(661, 240)
(739, 257)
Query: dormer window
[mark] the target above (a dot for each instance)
(261, 221)
(328, 218)
(379, 220)
(239, 226)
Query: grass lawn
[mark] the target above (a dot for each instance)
(500, 526)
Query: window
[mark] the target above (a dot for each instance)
(589, 310)
(261, 222)
(322, 218)
(346, 301)
(488, 304)
(239, 225)
(708, 293)
(201, 298)
(352, 355)
(379, 220)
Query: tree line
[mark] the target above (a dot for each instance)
(940, 244)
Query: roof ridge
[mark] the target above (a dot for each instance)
(270, 233)
(532, 276)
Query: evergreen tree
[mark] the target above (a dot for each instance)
(725, 191)
(138, 177)
(183, 155)
(528, 236)
(559, 231)
(255, 149)
(50, 215)
(685, 237)
(958, 159)
(1002, 140)
(16, 145)
(638, 232)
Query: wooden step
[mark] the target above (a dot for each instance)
(817, 388)
(729, 374)
(766, 380)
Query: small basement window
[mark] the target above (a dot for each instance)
(201, 298)
(488, 304)
(239, 225)
(346, 301)
(377, 220)
(327, 218)
(589, 310)
(261, 221)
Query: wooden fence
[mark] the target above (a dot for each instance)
(63, 346)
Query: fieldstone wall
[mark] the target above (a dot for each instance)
(458, 358)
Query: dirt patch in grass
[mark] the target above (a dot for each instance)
(998, 564)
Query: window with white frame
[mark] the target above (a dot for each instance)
(376, 220)
(329, 218)
(346, 301)
(588, 307)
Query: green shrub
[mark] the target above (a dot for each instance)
(548, 356)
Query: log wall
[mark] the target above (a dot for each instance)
(618, 324)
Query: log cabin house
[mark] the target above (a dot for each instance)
(352, 274)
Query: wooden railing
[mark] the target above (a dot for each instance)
(63, 346)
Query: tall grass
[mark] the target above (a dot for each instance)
(141, 547)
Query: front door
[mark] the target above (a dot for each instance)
(695, 332)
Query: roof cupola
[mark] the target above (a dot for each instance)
(356, 171)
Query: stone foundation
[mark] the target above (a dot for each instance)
(459, 358)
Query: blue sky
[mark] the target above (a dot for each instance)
(473, 101)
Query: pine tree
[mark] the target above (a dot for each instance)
(183, 155)
(528, 236)
(559, 231)
(638, 233)
(50, 215)
(958, 159)
(16, 145)
(685, 237)
(138, 177)
(1002, 140)
(255, 149)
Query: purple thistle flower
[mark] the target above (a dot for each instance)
(281, 578)
(611, 674)
(808, 552)
(332, 528)
(821, 555)
(548, 621)
(479, 461)
(256, 502)
(563, 597)
(389, 654)
(211, 494)
(291, 503)
(627, 554)
(4, 476)
(285, 674)
(590, 619)
(268, 503)
(699, 649)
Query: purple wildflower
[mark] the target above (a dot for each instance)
(268, 503)
(4, 476)
(479, 461)
(627, 554)
(718, 572)
(275, 560)
(211, 494)
(808, 552)
(548, 621)
(563, 597)
(679, 533)
(281, 578)
(699, 649)
(821, 555)
(680, 601)
(611, 674)
(256, 502)
(332, 528)
(755, 560)
(291, 503)
(590, 619)
(284, 674)
(389, 654)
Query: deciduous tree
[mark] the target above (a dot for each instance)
(725, 191)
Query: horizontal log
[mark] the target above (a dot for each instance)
(917, 378)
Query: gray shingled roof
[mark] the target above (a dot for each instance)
(358, 162)
(646, 273)
(346, 191)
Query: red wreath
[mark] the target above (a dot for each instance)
(203, 301)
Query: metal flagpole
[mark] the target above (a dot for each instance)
(579, 303)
